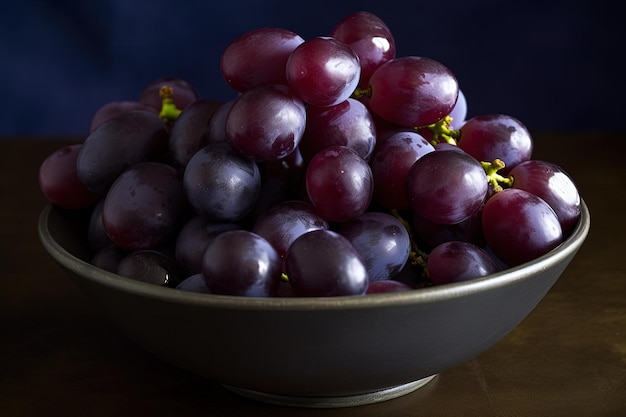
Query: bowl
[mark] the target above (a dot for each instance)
(312, 352)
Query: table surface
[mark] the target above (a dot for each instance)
(59, 357)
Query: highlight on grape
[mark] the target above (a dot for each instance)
(338, 169)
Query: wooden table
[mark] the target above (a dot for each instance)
(59, 357)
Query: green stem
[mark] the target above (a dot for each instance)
(495, 179)
(169, 112)
(442, 132)
(360, 92)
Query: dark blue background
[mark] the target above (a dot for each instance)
(555, 65)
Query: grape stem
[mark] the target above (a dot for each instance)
(169, 112)
(442, 132)
(361, 92)
(495, 179)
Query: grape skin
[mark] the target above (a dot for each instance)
(258, 57)
(221, 184)
(322, 263)
(497, 136)
(266, 123)
(554, 186)
(117, 144)
(59, 181)
(413, 91)
(457, 261)
(144, 206)
(382, 241)
(239, 262)
(446, 186)
(323, 71)
(339, 183)
(370, 38)
(519, 226)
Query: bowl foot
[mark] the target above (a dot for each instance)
(332, 402)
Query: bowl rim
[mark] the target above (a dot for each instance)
(422, 296)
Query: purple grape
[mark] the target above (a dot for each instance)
(386, 286)
(339, 183)
(446, 187)
(149, 266)
(108, 258)
(258, 57)
(457, 261)
(118, 144)
(239, 262)
(115, 108)
(370, 38)
(189, 133)
(322, 263)
(144, 206)
(519, 226)
(382, 241)
(194, 283)
(59, 181)
(433, 234)
(413, 91)
(391, 164)
(266, 123)
(348, 123)
(323, 71)
(97, 237)
(459, 112)
(193, 238)
(285, 222)
(496, 136)
(221, 184)
(217, 124)
(554, 186)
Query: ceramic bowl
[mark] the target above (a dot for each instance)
(312, 352)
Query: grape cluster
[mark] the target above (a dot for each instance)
(338, 169)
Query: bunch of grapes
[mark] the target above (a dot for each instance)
(338, 169)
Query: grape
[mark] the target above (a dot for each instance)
(239, 262)
(339, 183)
(108, 258)
(433, 234)
(217, 125)
(118, 144)
(190, 131)
(348, 123)
(115, 108)
(459, 112)
(266, 123)
(370, 38)
(519, 226)
(258, 57)
(183, 93)
(193, 238)
(413, 91)
(144, 206)
(322, 263)
(149, 266)
(382, 241)
(554, 186)
(194, 283)
(97, 237)
(457, 261)
(391, 164)
(446, 186)
(221, 184)
(387, 285)
(59, 181)
(285, 222)
(496, 136)
(323, 71)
